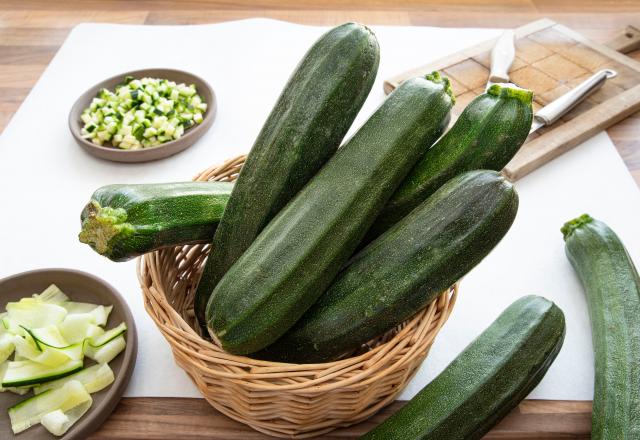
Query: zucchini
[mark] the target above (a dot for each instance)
(298, 254)
(307, 124)
(489, 378)
(403, 270)
(94, 378)
(23, 373)
(487, 134)
(612, 286)
(124, 221)
(30, 412)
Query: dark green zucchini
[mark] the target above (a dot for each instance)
(124, 221)
(307, 124)
(298, 254)
(488, 133)
(403, 270)
(488, 379)
(612, 285)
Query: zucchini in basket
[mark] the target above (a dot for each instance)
(305, 127)
(404, 269)
(487, 134)
(298, 254)
(124, 221)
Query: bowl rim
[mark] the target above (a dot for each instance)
(75, 125)
(103, 410)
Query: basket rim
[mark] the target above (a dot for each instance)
(320, 372)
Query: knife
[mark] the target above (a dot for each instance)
(502, 56)
(551, 112)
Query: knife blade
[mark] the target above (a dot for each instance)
(553, 111)
(502, 56)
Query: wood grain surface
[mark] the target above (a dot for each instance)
(32, 31)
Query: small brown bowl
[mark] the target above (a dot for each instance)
(167, 149)
(82, 287)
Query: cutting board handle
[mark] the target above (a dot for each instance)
(627, 41)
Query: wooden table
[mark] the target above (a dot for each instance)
(32, 31)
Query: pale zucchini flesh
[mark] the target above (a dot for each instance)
(29, 412)
(23, 373)
(94, 378)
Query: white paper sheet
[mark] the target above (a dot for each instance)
(46, 179)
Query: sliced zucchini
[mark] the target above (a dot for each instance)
(7, 346)
(106, 352)
(52, 295)
(12, 327)
(48, 336)
(32, 313)
(94, 378)
(108, 335)
(75, 327)
(29, 412)
(51, 357)
(23, 373)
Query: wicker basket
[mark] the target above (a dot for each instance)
(282, 400)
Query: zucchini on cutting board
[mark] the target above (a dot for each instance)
(295, 258)
(488, 379)
(487, 134)
(124, 221)
(403, 270)
(612, 285)
(307, 124)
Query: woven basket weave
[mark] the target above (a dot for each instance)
(282, 400)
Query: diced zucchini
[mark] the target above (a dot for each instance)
(112, 116)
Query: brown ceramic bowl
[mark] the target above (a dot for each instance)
(167, 149)
(79, 286)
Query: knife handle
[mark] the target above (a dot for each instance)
(502, 56)
(553, 111)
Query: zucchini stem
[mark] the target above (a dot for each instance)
(100, 224)
(436, 78)
(523, 95)
(574, 224)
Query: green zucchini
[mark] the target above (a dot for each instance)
(298, 254)
(403, 270)
(487, 134)
(124, 221)
(307, 124)
(612, 285)
(23, 373)
(488, 379)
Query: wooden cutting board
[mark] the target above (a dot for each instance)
(550, 60)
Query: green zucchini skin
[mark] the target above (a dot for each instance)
(612, 287)
(307, 124)
(124, 221)
(298, 254)
(403, 270)
(487, 134)
(488, 379)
